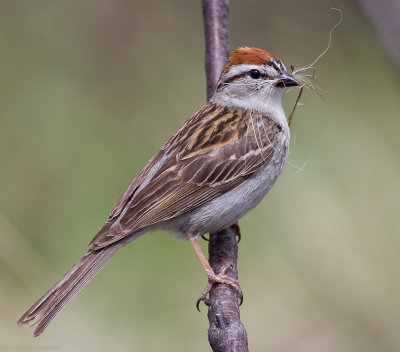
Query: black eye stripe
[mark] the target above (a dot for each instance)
(240, 75)
(243, 74)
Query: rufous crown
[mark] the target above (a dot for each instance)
(246, 55)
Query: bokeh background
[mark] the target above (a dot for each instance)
(90, 90)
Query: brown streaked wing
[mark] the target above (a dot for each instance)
(127, 196)
(213, 152)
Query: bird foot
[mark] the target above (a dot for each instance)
(220, 278)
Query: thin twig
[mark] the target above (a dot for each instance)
(295, 105)
(298, 97)
(226, 332)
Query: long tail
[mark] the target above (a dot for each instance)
(52, 302)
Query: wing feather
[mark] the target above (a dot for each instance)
(213, 152)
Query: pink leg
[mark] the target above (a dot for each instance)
(213, 278)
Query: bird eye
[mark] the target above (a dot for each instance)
(254, 74)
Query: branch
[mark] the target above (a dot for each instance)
(384, 15)
(226, 332)
(215, 15)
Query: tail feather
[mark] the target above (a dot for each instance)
(53, 301)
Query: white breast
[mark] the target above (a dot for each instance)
(228, 208)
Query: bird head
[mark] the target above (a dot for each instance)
(251, 78)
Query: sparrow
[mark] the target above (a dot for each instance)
(214, 169)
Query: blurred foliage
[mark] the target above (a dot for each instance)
(90, 90)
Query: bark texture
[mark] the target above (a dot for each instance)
(226, 332)
(215, 15)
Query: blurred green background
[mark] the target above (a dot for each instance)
(90, 90)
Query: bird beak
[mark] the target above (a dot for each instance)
(285, 79)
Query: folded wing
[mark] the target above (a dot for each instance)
(213, 152)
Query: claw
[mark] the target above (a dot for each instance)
(213, 278)
(220, 278)
(237, 231)
(205, 238)
(198, 304)
(205, 300)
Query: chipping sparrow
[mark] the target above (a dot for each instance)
(215, 168)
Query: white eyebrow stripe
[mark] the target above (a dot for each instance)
(237, 70)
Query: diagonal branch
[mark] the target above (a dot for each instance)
(226, 332)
